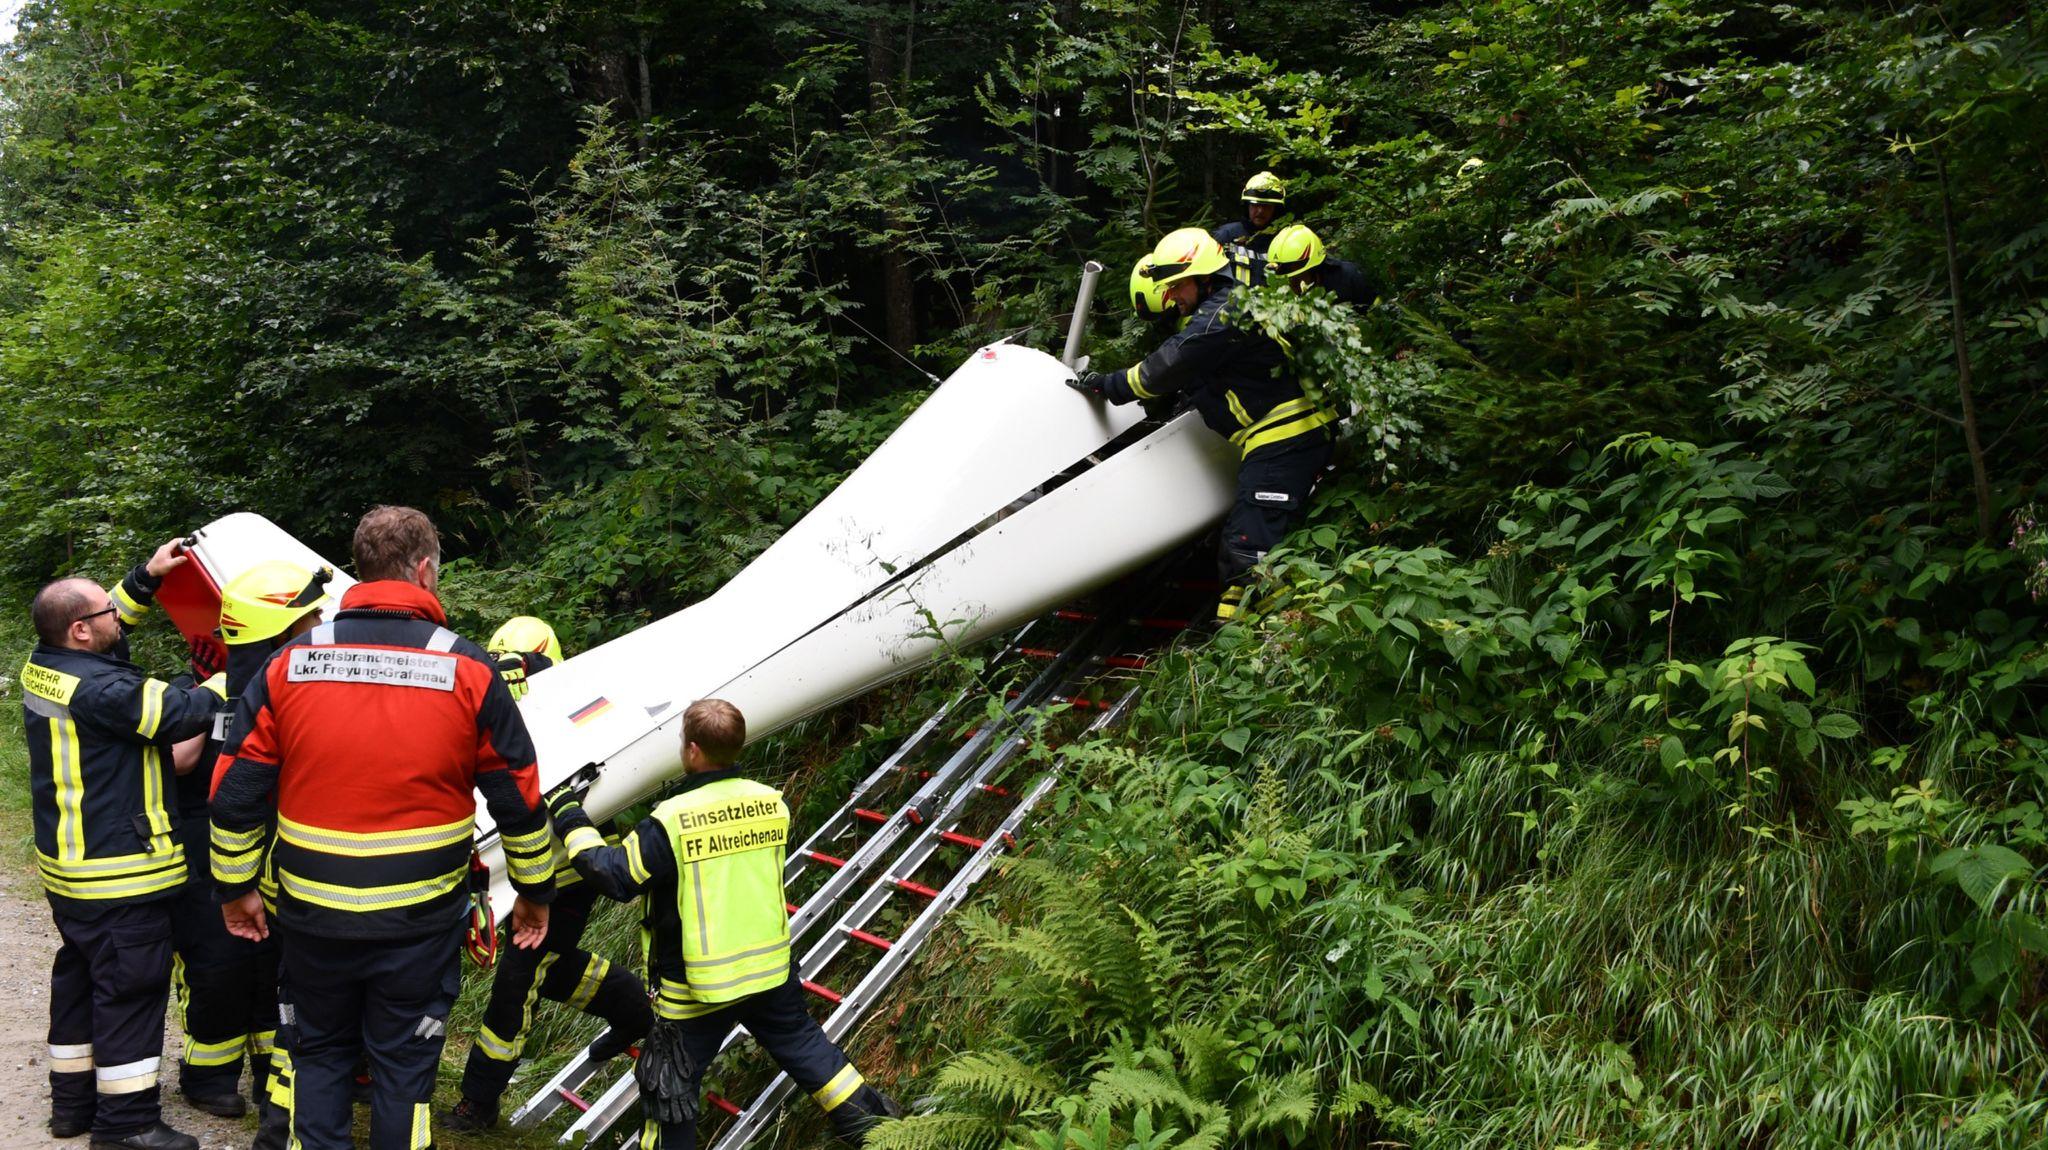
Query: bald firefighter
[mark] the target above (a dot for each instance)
(103, 739)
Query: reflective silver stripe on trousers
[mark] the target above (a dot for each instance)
(127, 1078)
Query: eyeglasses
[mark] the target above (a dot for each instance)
(109, 609)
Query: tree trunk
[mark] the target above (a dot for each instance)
(1979, 471)
(646, 90)
(899, 293)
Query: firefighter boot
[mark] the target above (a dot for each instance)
(622, 1002)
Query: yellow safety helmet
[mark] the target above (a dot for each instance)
(264, 601)
(1294, 251)
(1265, 188)
(524, 633)
(1186, 252)
(1148, 296)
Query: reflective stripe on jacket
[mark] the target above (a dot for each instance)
(99, 735)
(1237, 377)
(367, 739)
(710, 859)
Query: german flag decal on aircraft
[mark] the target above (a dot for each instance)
(590, 710)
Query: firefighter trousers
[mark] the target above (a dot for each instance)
(386, 998)
(226, 987)
(781, 1022)
(558, 970)
(274, 1100)
(108, 989)
(1273, 486)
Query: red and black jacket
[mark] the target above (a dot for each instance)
(366, 737)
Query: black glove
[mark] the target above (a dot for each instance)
(1095, 383)
(565, 806)
(664, 1073)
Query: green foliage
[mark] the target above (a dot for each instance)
(1328, 350)
(1640, 745)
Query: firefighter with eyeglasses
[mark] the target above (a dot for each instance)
(105, 742)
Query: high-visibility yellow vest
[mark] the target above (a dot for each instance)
(728, 838)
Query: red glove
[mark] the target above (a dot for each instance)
(209, 656)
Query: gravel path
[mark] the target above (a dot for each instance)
(28, 941)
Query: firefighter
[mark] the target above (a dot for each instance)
(103, 738)
(357, 749)
(231, 998)
(1240, 381)
(1245, 240)
(717, 934)
(1297, 255)
(523, 647)
(1148, 296)
(559, 970)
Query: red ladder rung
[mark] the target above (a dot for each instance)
(1066, 616)
(828, 860)
(1126, 662)
(790, 907)
(874, 940)
(572, 1098)
(1038, 653)
(871, 816)
(914, 887)
(825, 992)
(992, 789)
(958, 839)
(1163, 624)
(722, 1102)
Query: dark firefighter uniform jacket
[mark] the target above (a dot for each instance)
(1239, 233)
(1345, 280)
(366, 738)
(710, 858)
(99, 752)
(1237, 377)
(1247, 248)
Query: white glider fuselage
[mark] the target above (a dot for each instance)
(947, 533)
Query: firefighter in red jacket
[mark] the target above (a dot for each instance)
(357, 748)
